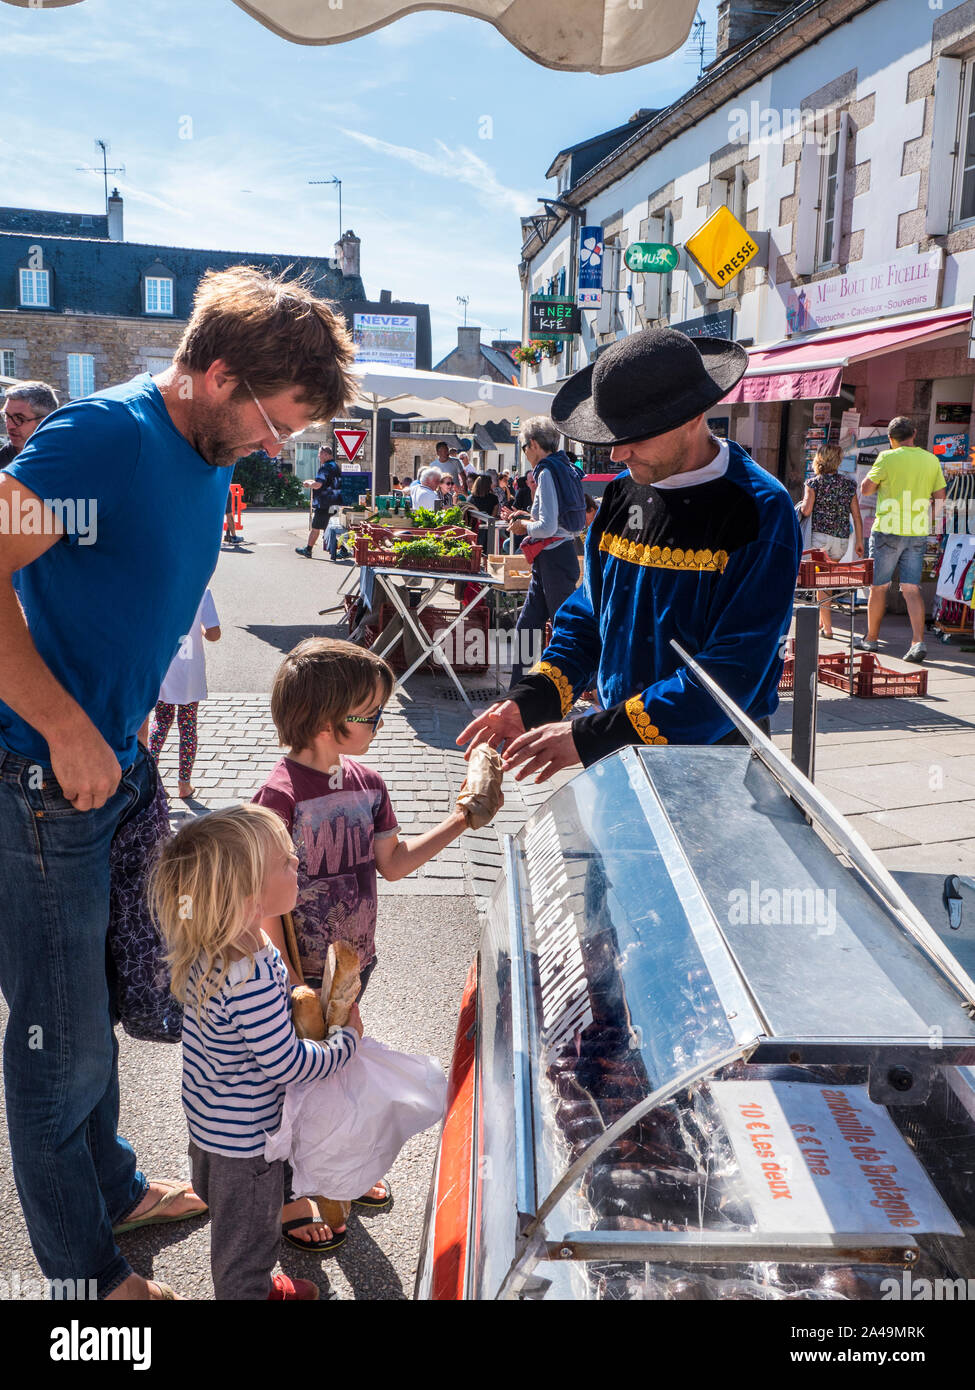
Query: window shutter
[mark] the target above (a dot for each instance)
(606, 314)
(740, 193)
(843, 136)
(717, 195)
(944, 145)
(806, 218)
(649, 295)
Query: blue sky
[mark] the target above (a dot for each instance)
(201, 102)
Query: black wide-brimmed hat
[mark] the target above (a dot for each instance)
(647, 384)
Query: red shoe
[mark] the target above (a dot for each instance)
(292, 1289)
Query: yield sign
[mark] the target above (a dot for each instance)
(350, 442)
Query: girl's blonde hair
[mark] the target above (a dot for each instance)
(203, 890)
(828, 459)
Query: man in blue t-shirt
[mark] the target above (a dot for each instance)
(92, 610)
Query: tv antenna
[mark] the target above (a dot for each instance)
(700, 49)
(336, 181)
(464, 299)
(105, 147)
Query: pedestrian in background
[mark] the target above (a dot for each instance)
(830, 500)
(184, 686)
(906, 480)
(326, 494)
(24, 407)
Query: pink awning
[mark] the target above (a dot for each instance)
(813, 368)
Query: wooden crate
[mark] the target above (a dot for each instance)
(513, 569)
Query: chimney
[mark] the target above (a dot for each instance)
(347, 254)
(742, 20)
(115, 216)
(469, 339)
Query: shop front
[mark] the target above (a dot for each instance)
(843, 386)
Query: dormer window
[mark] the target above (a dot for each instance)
(158, 294)
(35, 289)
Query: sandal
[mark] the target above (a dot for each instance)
(315, 1247)
(376, 1201)
(158, 1215)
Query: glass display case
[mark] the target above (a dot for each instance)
(716, 1054)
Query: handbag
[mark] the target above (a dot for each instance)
(138, 974)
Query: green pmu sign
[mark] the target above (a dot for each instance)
(655, 257)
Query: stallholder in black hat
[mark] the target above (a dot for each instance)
(647, 384)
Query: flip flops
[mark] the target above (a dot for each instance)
(376, 1201)
(159, 1215)
(314, 1247)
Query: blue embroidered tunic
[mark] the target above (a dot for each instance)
(713, 565)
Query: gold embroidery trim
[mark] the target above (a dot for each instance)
(545, 668)
(638, 717)
(657, 557)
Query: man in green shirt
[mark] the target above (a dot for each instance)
(905, 479)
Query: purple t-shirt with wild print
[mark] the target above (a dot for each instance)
(334, 819)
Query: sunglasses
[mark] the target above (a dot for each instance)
(372, 719)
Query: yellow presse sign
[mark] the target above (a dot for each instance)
(722, 247)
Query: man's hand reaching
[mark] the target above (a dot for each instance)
(544, 751)
(497, 725)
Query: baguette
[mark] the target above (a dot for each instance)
(306, 1013)
(342, 972)
(480, 796)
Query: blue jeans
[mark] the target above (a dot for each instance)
(75, 1176)
(334, 532)
(554, 576)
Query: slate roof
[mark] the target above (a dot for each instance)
(40, 222)
(91, 275)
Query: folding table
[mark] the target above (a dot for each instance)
(386, 580)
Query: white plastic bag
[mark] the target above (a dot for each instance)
(342, 1133)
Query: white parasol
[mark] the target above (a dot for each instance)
(574, 35)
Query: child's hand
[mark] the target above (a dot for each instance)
(355, 1019)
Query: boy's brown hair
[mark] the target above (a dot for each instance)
(320, 682)
(275, 334)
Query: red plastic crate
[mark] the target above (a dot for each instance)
(433, 621)
(871, 680)
(787, 680)
(445, 564)
(818, 571)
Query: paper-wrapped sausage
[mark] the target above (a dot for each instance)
(480, 796)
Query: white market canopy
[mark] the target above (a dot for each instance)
(464, 400)
(467, 401)
(575, 35)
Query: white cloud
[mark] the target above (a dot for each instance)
(460, 165)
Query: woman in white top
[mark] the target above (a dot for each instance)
(184, 686)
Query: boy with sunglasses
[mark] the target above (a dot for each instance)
(327, 703)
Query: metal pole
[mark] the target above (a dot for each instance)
(805, 688)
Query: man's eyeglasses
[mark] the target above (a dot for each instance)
(18, 420)
(372, 719)
(280, 435)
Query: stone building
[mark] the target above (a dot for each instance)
(838, 133)
(84, 309)
(475, 359)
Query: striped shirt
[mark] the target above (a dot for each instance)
(242, 1051)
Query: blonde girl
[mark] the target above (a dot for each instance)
(213, 883)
